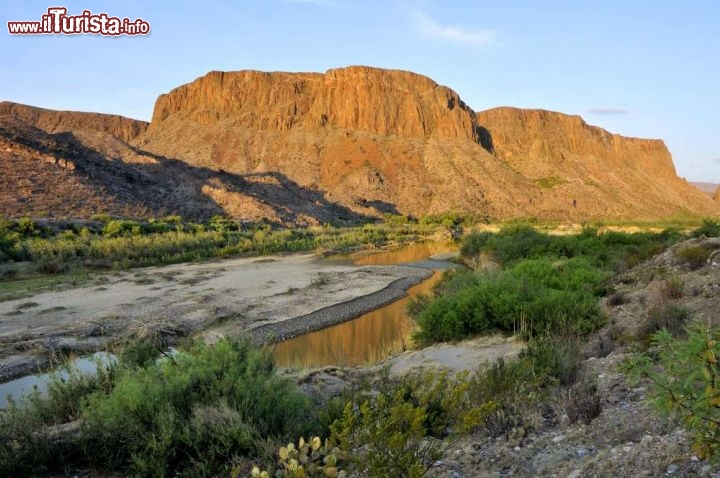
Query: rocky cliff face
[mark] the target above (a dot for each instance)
(398, 142)
(539, 142)
(382, 102)
(53, 121)
(358, 141)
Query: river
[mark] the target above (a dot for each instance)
(375, 335)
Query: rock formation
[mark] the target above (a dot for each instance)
(53, 121)
(362, 141)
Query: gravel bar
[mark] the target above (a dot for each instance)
(341, 312)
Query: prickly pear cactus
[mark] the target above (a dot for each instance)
(309, 459)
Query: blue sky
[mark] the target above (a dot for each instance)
(638, 68)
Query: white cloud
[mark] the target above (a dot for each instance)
(451, 33)
(607, 111)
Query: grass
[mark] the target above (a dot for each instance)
(550, 182)
(696, 256)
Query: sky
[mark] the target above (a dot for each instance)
(634, 67)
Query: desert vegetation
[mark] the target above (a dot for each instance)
(108, 243)
(199, 412)
(222, 409)
(531, 283)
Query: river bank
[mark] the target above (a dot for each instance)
(270, 298)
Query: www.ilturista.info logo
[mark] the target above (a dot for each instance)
(58, 22)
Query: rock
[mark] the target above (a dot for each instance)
(54, 121)
(558, 438)
(350, 143)
(646, 439)
(575, 474)
(671, 469)
(386, 136)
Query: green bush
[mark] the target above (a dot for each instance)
(199, 413)
(686, 383)
(127, 243)
(397, 431)
(140, 353)
(28, 446)
(709, 228)
(695, 256)
(226, 394)
(612, 251)
(532, 297)
(671, 317)
(520, 385)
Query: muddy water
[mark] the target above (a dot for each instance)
(371, 337)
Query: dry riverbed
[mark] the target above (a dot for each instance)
(268, 298)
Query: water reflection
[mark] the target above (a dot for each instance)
(369, 338)
(18, 388)
(403, 255)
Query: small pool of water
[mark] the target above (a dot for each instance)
(18, 388)
(374, 336)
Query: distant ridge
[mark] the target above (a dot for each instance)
(708, 188)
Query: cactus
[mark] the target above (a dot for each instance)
(306, 460)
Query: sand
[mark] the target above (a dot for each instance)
(268, 298)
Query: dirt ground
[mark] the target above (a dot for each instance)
(233, 296)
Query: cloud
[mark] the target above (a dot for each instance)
(322, 3)
(431, 28)
(607, 111)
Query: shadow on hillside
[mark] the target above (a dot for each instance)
(170, 186)
(485, 139)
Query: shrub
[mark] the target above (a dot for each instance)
(52, 266)
(28, 443)
(616, 299)
(610, 250)
(671, 318)
(580, 401)
(672, 288)
(685, 382)
(709, 228)
(695, 256)
(197, 414)
(533, 297)
(397, 431)
(151, 421)
(140, 353)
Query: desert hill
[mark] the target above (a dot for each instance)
(360, 141)
(74, 175)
